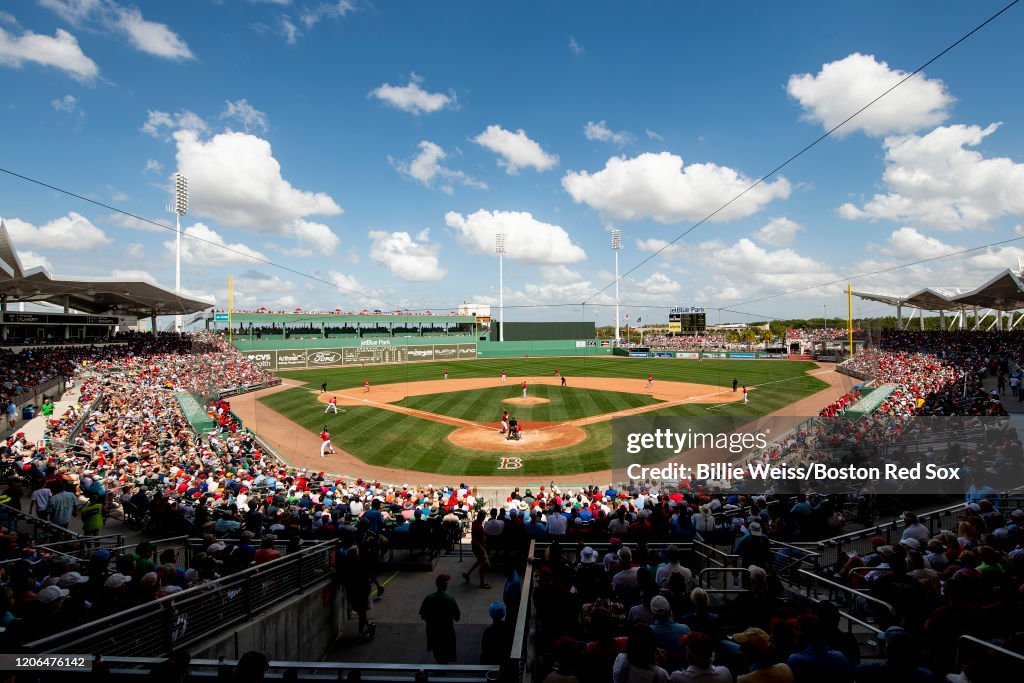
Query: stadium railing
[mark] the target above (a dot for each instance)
(16, 521)
(522, 652)
(246, 388)
(181, 619)
(138, 669)
(832, 550)
(61, 445)
(1012, 663)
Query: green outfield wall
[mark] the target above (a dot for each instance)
(276, 354)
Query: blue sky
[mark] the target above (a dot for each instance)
(379, 147)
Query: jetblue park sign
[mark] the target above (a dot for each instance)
(299, 359)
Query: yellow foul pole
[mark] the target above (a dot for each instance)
(849, 312)
(231, 309)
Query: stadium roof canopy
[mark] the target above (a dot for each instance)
(87, 294)
(1004, 292)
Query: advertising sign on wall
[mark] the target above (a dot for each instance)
(266, 360)
(663, 354)
(319, 357)
(741, 355)
(687, 354)
(467, 351)
(714, 354)
(446, 352)
(420, 353)
(638, 354)
(797, 356)
(288, 360)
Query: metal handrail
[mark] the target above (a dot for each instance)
(208, 668)
(164, 611)
(815, 579)
(724, 572)
(35, 522)
(988, 646)
(518, 656)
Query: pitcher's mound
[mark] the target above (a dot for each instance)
(528, 401)
(537, 436)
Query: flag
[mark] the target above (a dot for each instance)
(638, 321)
(626, 318)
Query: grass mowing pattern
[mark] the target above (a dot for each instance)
(566, 403)
(385, 438)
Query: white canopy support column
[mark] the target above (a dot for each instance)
(899, 316)
(942, 319)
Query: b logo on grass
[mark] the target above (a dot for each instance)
(511, 464)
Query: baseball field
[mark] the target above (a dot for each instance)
(410, 418)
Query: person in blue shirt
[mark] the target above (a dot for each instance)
(815, 662)
(374, 517)
(535, 528)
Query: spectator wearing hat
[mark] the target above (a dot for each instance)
(93, 516)
(496, 641)
(754, 547)
(914, 529)
(700, 653)
(440, 612)
(756, 648)
(668, 633)
(901, 661)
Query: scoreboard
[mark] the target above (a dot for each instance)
(686, 320)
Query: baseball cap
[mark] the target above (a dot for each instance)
(660, 606)
(755, 638)
(496, 610)
(116, 581)
(70, 579)
(754, 528)
(442, 579)
(588, 555)
(894, 634)
(911, 543)
(51, 593)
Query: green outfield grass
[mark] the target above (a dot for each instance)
(566, 403)
(390, 439)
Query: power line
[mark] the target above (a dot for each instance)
(225, 247)
(812, 144)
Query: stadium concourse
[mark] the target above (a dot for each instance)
(611, 580)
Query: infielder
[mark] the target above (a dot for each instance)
(504, 376)
(333, 405)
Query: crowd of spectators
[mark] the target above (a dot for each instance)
(709, 341)
(822, 334)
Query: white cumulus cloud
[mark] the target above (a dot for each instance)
(750, 268)
(411, 260)
(844, 86)
(152, 37)
(67, 104)
(107, 16)
(911, 243)
(210, 249)
(658, 186)
(412, 98)
(161, 124)
(235, 179)
(73, 232)
(526, 238)
(426, 166)
(60, 51)
(778, 231)
(602, 133)
(936, 181)
(516, 149)
(251, 118)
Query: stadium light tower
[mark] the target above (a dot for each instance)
(616, 246)
(179, 209)
(499, 249)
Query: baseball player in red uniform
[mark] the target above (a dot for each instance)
(504, 375)
(366, 385)
(650, 381)
(333, 405)
(446, 373)
(524, 389)
(326, 447)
